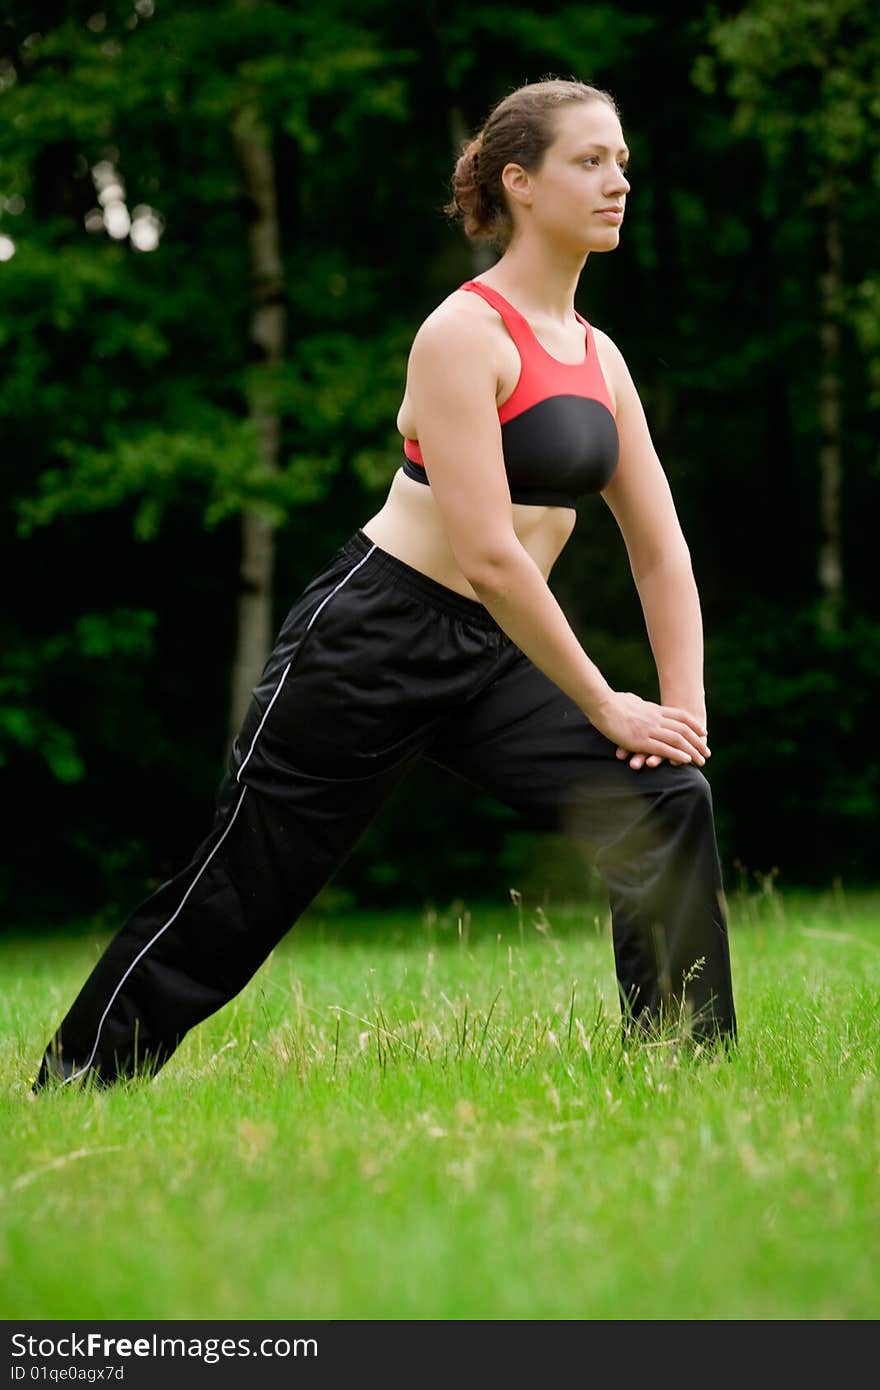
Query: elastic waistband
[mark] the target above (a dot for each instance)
(436, 595)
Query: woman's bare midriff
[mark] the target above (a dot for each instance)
(410, 527)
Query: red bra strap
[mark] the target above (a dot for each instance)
(517, 325)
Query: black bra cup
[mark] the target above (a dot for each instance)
(561, 446)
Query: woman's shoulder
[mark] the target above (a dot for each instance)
(604, 340)
(462, 320)
(459, 307)
(612, 361)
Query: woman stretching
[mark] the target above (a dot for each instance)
(432, 633)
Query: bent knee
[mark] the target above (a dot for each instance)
(692, 783)
(685, 781)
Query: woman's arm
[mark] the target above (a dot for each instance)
(671, 606)
(641, 502)
(452, 380)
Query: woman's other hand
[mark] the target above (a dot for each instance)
(639, 760)
(654, 731)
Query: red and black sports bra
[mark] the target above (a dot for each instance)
(558, 431)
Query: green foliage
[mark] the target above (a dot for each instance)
(31, 674)
(573, 40)
(794, 704)
(864, 313)
(219, 459)
(830, 44)
(171, 422)
(804, 79)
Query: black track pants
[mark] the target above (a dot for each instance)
(377, 665)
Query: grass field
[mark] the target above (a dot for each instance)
(405, 1117)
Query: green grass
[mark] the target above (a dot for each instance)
(406, 1117)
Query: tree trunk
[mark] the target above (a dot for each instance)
(830, 452)
(267, 338)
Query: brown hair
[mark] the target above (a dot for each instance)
(519, 129)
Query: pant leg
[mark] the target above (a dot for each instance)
(361, 674)
(651, 834)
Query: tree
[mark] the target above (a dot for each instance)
(805, 79)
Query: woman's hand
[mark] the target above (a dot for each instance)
(651, 732)
(639, 760)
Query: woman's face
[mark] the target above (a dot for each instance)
(583, 171)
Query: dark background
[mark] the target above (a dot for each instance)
(751, 227)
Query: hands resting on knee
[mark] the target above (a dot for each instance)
(649, 733)
(639, 760)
